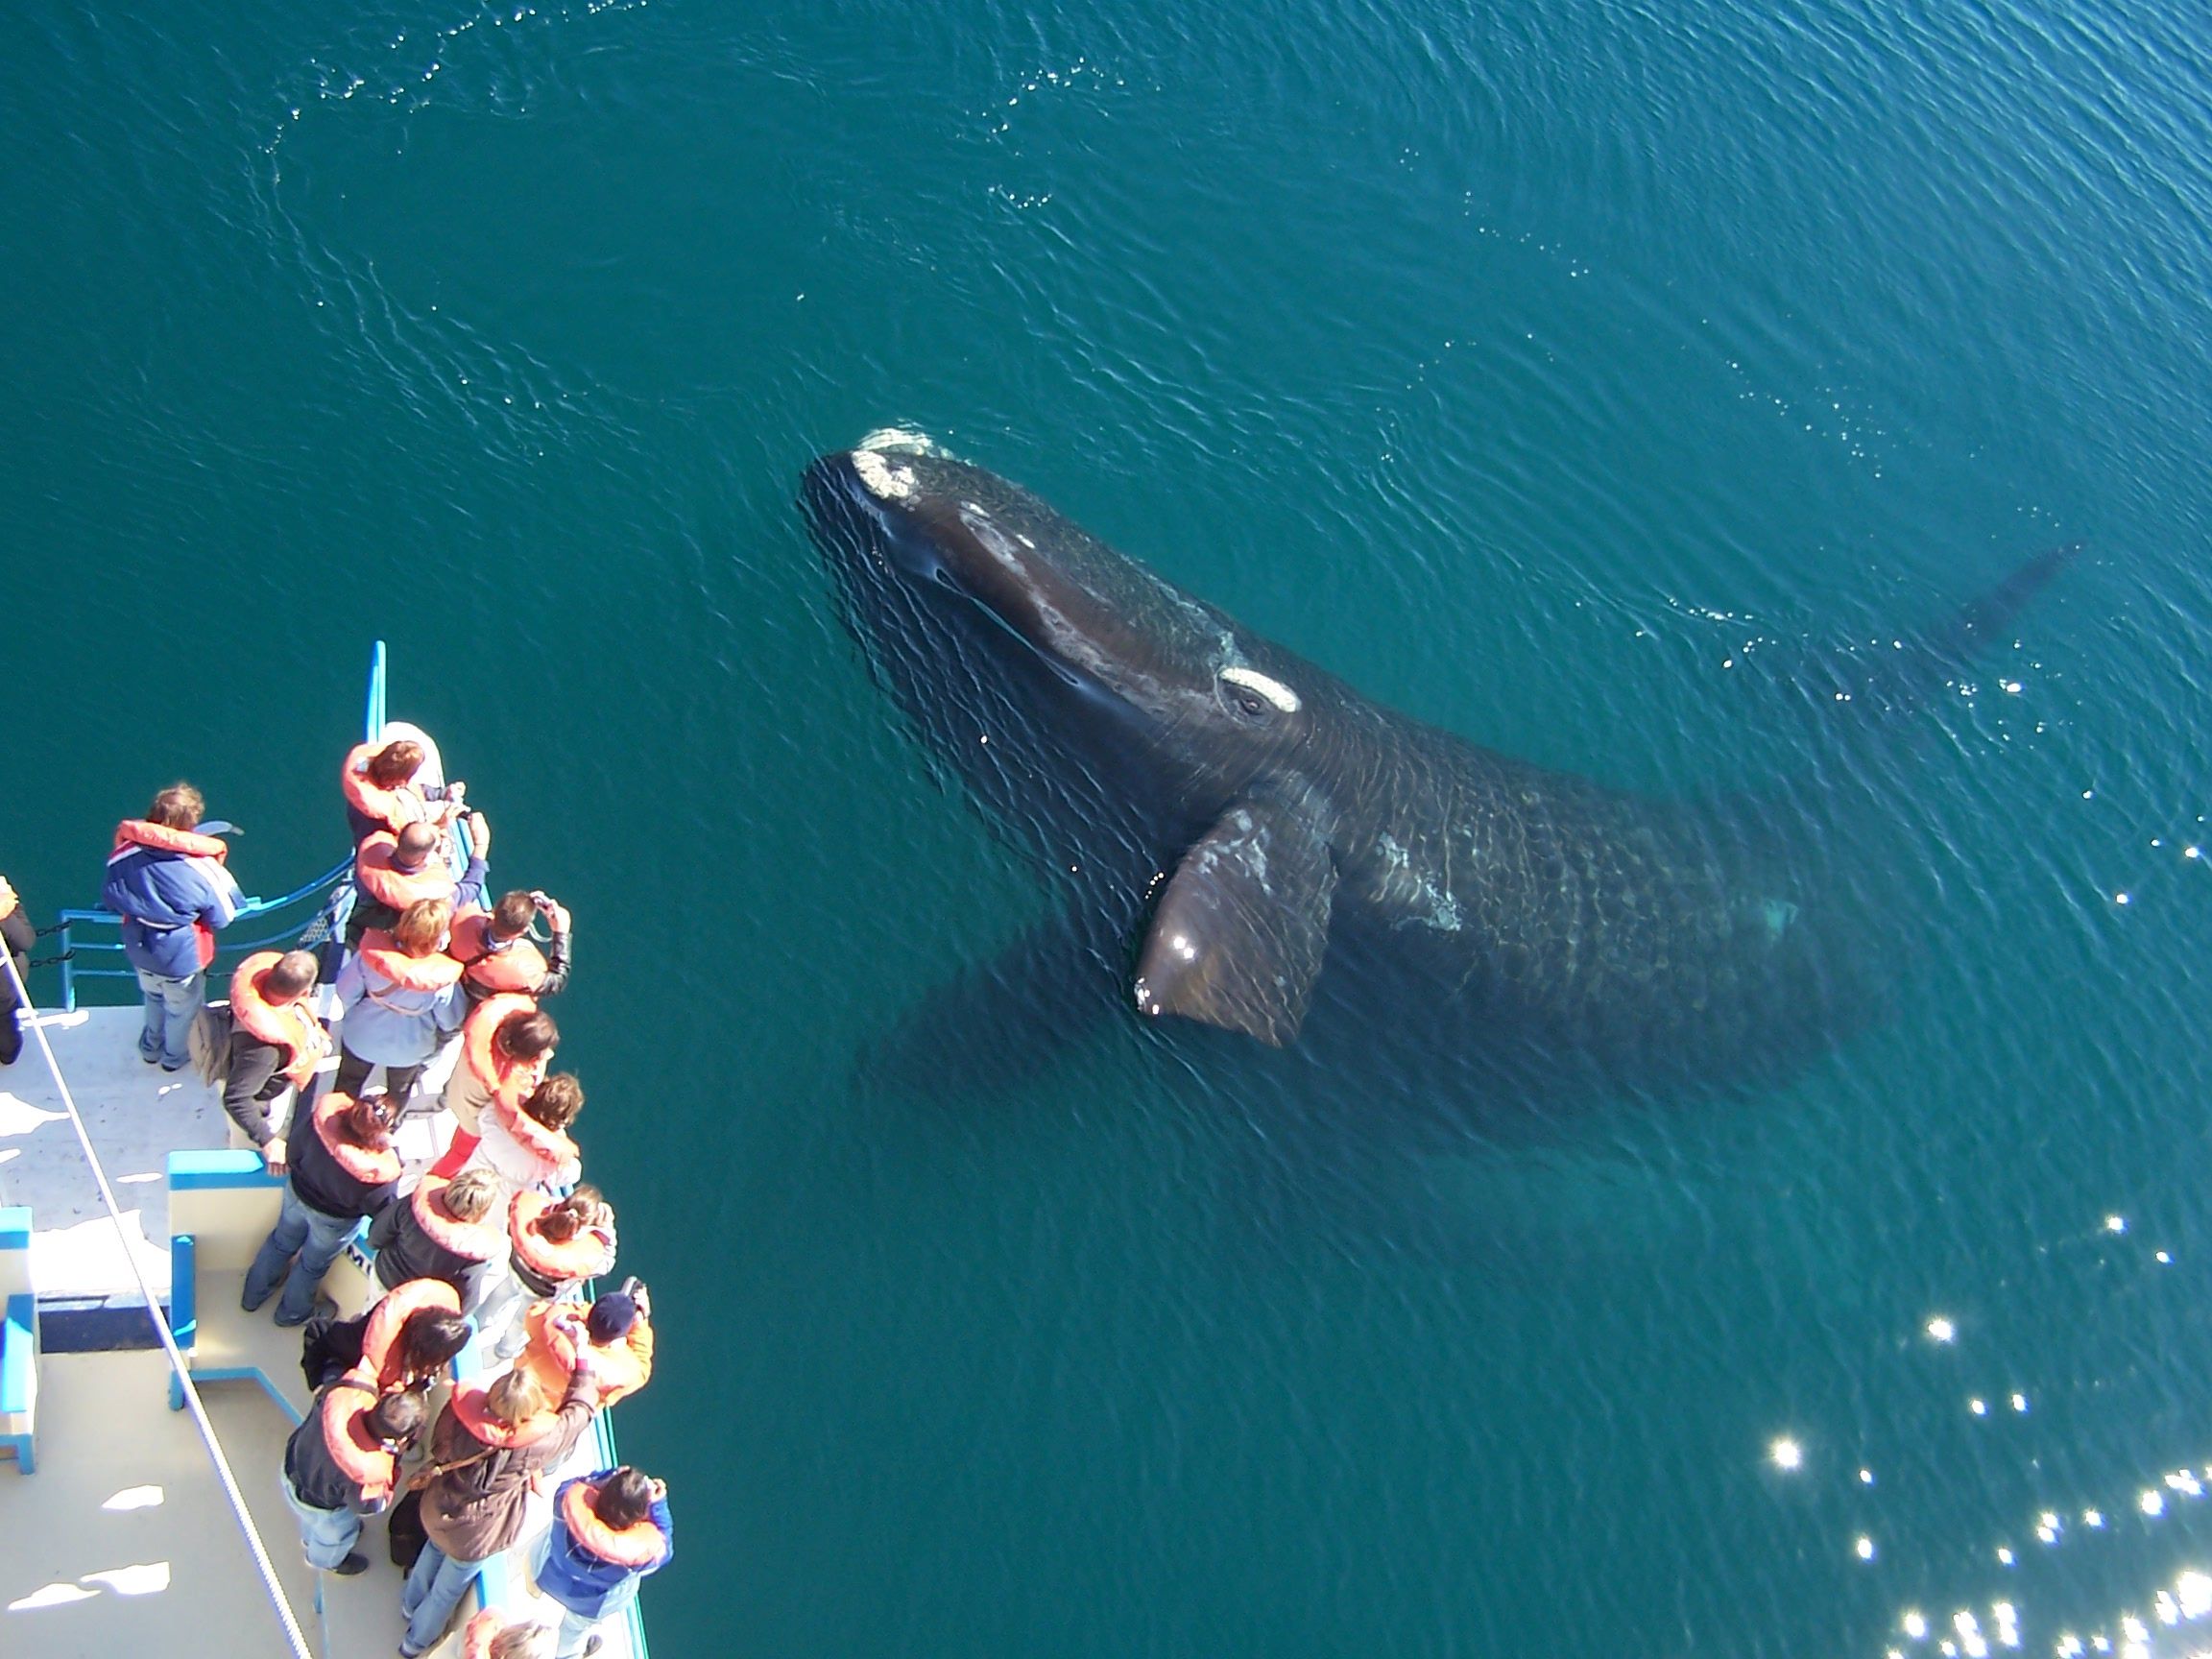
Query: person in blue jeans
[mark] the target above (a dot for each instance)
(342, 1169)
(488, 1445)
(609, 1531)
(169, 884)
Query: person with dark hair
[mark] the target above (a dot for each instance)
(407, 1341)
(169, 884)
(16, 937)
(611, 1530)
(497, 955)
(529, 1145)
(276, 1043)
(553, 1247)
(379, 783)
(342, 1463)
(343, 1169)
(392, 869)
(489, 1447)
(617, 1330)
(398, 997)
(507, 1045)
(451, 1230)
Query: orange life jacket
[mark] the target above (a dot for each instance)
(141, 833)
(372, 1166)
(393, 965)
(478, 1240)
(585, 1255)
(359, 1456)
(394, 808)
(290, 1025)
(620, 1367)
(505, 1078)
(383, 880)
(468, 1406)
(380, 1336)
(640, 1544)
(516, 966)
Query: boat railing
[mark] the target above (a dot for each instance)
(285, 923)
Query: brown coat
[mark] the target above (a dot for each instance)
(474, 1513)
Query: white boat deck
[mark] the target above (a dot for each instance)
(121, 1541)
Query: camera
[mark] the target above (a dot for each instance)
(631, 1285)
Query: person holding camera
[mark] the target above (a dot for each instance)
(497, 954)
(609, 1531)
(617, 1333)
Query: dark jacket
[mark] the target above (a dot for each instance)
(320, 1181)
(404, 1251)
(476, 1511)
(16, 936)
(161, 895)
(315, 1474)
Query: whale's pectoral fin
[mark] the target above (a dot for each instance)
(1239, 935)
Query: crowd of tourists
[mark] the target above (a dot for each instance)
(496, 1236)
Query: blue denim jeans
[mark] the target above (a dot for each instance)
(327, 1534)
(306, 1231)
(434, 1589)
(170, 1005)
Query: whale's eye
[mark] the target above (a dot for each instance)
(1255, 695)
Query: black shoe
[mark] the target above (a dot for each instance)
(356, 1562)
(593, 1646)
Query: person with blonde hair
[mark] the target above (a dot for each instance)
(454, 1230)
(398, 997)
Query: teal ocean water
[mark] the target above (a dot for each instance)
(1585, 380)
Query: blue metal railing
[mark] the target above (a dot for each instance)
(330, 892)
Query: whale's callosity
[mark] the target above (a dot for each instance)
(1251, 820)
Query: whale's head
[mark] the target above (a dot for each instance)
(940, 558)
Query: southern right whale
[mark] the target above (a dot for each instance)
(1238, 826)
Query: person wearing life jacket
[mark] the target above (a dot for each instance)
(16, 937)
(392, 869)
(610, 1530)
(528, 1146)
(451, 1230)
(495, 948)
(170, 886)
(379, 783)
(276, 1043)
(489, 1636)
(488, 1449)
(507, 1045)
(553, 1247)
(407, 1341)
(617, 1329)
(343, 1462)
(398, 997)
(342, 1169)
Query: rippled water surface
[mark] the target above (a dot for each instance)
(1606, 384)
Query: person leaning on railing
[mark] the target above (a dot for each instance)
(611, 1530)
(17, 936)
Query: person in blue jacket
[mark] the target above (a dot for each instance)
(169, 884)
(610, 1529)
